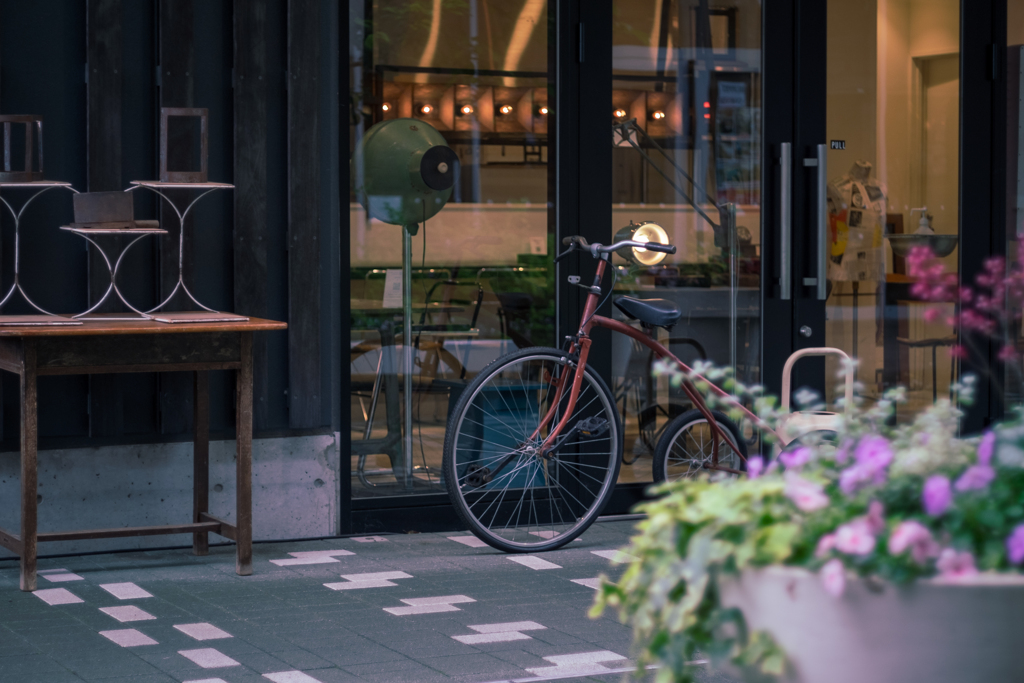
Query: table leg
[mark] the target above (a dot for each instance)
(243, 473)
(28, 467)
(201, 460)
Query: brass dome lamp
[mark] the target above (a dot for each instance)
(644, 231)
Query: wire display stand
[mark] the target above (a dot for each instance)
(112, 288)
(47, 318)
(207, 314)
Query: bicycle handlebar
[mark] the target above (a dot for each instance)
(576, 241)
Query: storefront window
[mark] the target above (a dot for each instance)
(893, 121)
(478, 72)
(686, 110)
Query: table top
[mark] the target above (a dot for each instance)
(197, 186)
(95, 328)
(36, 183)
(377, 306)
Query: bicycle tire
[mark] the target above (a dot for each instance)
(686, 426)
(492, 504)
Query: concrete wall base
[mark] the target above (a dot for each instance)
(295, 490)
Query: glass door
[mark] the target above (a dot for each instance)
(889, 177)
(477, 74)
(687, 156)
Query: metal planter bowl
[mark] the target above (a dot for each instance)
(941, 245)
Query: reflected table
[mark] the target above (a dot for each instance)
(372, 314)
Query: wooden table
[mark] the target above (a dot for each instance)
(138, 346)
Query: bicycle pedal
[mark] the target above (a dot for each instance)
(592, 427)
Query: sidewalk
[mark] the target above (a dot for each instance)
(421, 607)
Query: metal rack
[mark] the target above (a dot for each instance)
(47, 318)
(207, 314)
(112, 288)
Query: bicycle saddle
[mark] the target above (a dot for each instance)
(654, 312)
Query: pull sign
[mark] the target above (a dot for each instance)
(838, 144)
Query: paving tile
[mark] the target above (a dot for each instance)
(127, 613)
(208, 658)
(291, 677)
(614, 555)
(533, 562)
(126, 591)
(57, 596)
(202, 631)
(128, 637)
(59, 575)
(471, 541)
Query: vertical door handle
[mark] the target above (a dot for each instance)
(786, 221)
(822, 186)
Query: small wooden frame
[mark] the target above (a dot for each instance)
(27, 174)
(171, 176)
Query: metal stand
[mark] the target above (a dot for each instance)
(210, 315)
(87, 234)
(42, 186)
(407, 234)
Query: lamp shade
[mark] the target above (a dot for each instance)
(644, 231)
(404, 171)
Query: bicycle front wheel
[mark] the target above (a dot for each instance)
(508, 494)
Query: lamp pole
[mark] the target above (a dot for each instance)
(407, 361)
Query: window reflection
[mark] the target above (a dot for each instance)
(478, 72)
(689, 76)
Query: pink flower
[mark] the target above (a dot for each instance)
(1015, 545)
(875, 518)
(873, 455)
(1007, 353)
(755, 466)
(915, 537)
(833, 578)
(843, 452)
(796, 458)
(855, 538)
(954, 565)
(937, 495)
(957, 351)
(975, 478)
(985, 448)
(825, 545)
(931, 315)
(806, 495)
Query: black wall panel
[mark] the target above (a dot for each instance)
(44, 48)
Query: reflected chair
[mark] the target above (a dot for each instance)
(934, 344)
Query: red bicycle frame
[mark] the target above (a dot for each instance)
(582, 346)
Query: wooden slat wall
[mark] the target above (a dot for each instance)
(250, 165)
(106, 399)
(177, 56)
(304, 366)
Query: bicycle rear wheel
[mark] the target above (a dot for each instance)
(685, 447)
(510, 496)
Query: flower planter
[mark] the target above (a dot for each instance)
(927, 632)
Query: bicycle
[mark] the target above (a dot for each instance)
(534, 443)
